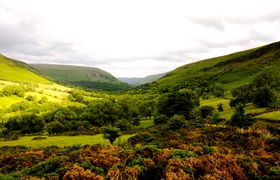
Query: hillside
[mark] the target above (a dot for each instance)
(231, 70)
(88, 77)
(139, 81)
(13, 70)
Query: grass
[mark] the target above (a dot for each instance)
(7, 101)
(18, 72)
(271, 115)
(232, 71)
(145, 123)
(88, 77)
(62, 141)
(228, 111)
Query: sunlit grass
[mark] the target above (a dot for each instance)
(271, 115)
(62, 141)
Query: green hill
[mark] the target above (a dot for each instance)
(13, 70)
(231, 70)
(88, 77)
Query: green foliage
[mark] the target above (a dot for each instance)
(124, 125)
(208, 150)
(48, 166)
(178, 153)
(217, 90)
(264, 96)
(239, 119)
(180, 102)
(22, 105)
(220, 107)
(161, 119)
(25, 123)
(103, 113)
(43, 100)
(177, 122)
(13, 90)
(30, 98)
(111, 133)
(206, 111)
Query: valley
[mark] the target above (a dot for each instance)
(217, 118)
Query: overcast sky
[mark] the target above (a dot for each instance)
(130, 38)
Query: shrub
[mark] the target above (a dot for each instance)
(177, 153)
(220, 107)
(161, 119)
(177, 122)
(264, 96)
(111, 133)
(208, 149)
(124, 125)
(206, 111)
(43, 100)
(30, 98)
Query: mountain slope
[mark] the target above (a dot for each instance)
(88, 77)
(139, 81)
(232, 70)
(12, 70)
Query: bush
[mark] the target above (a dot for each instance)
(206, 111)
(238, 117)
(43, 100)
(264, 96)
(124, 125)
(161, 119)
(30, 98)
(220, 107)
(208, 149)
(177, 122)
(13, 90)
(111, 133)
(177, 153)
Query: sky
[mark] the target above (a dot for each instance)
(134, 38)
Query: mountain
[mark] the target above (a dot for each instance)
(17, 71)
(233, 70)
(88, 77)
(139, 81)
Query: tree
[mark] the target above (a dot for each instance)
(111, 133)
(103, 113)
(180, 102)
(239, 115)
(243, 94)
(206, 111)
(220, 107)
(264, 96)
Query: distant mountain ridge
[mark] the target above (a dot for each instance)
(87, 77)
(139, 81)
(17, 71)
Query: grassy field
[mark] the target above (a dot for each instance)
(145, 123)
(18, 72)
(6, 102)
(62, 141)
(271, 115)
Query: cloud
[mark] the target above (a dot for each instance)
(133, 38)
